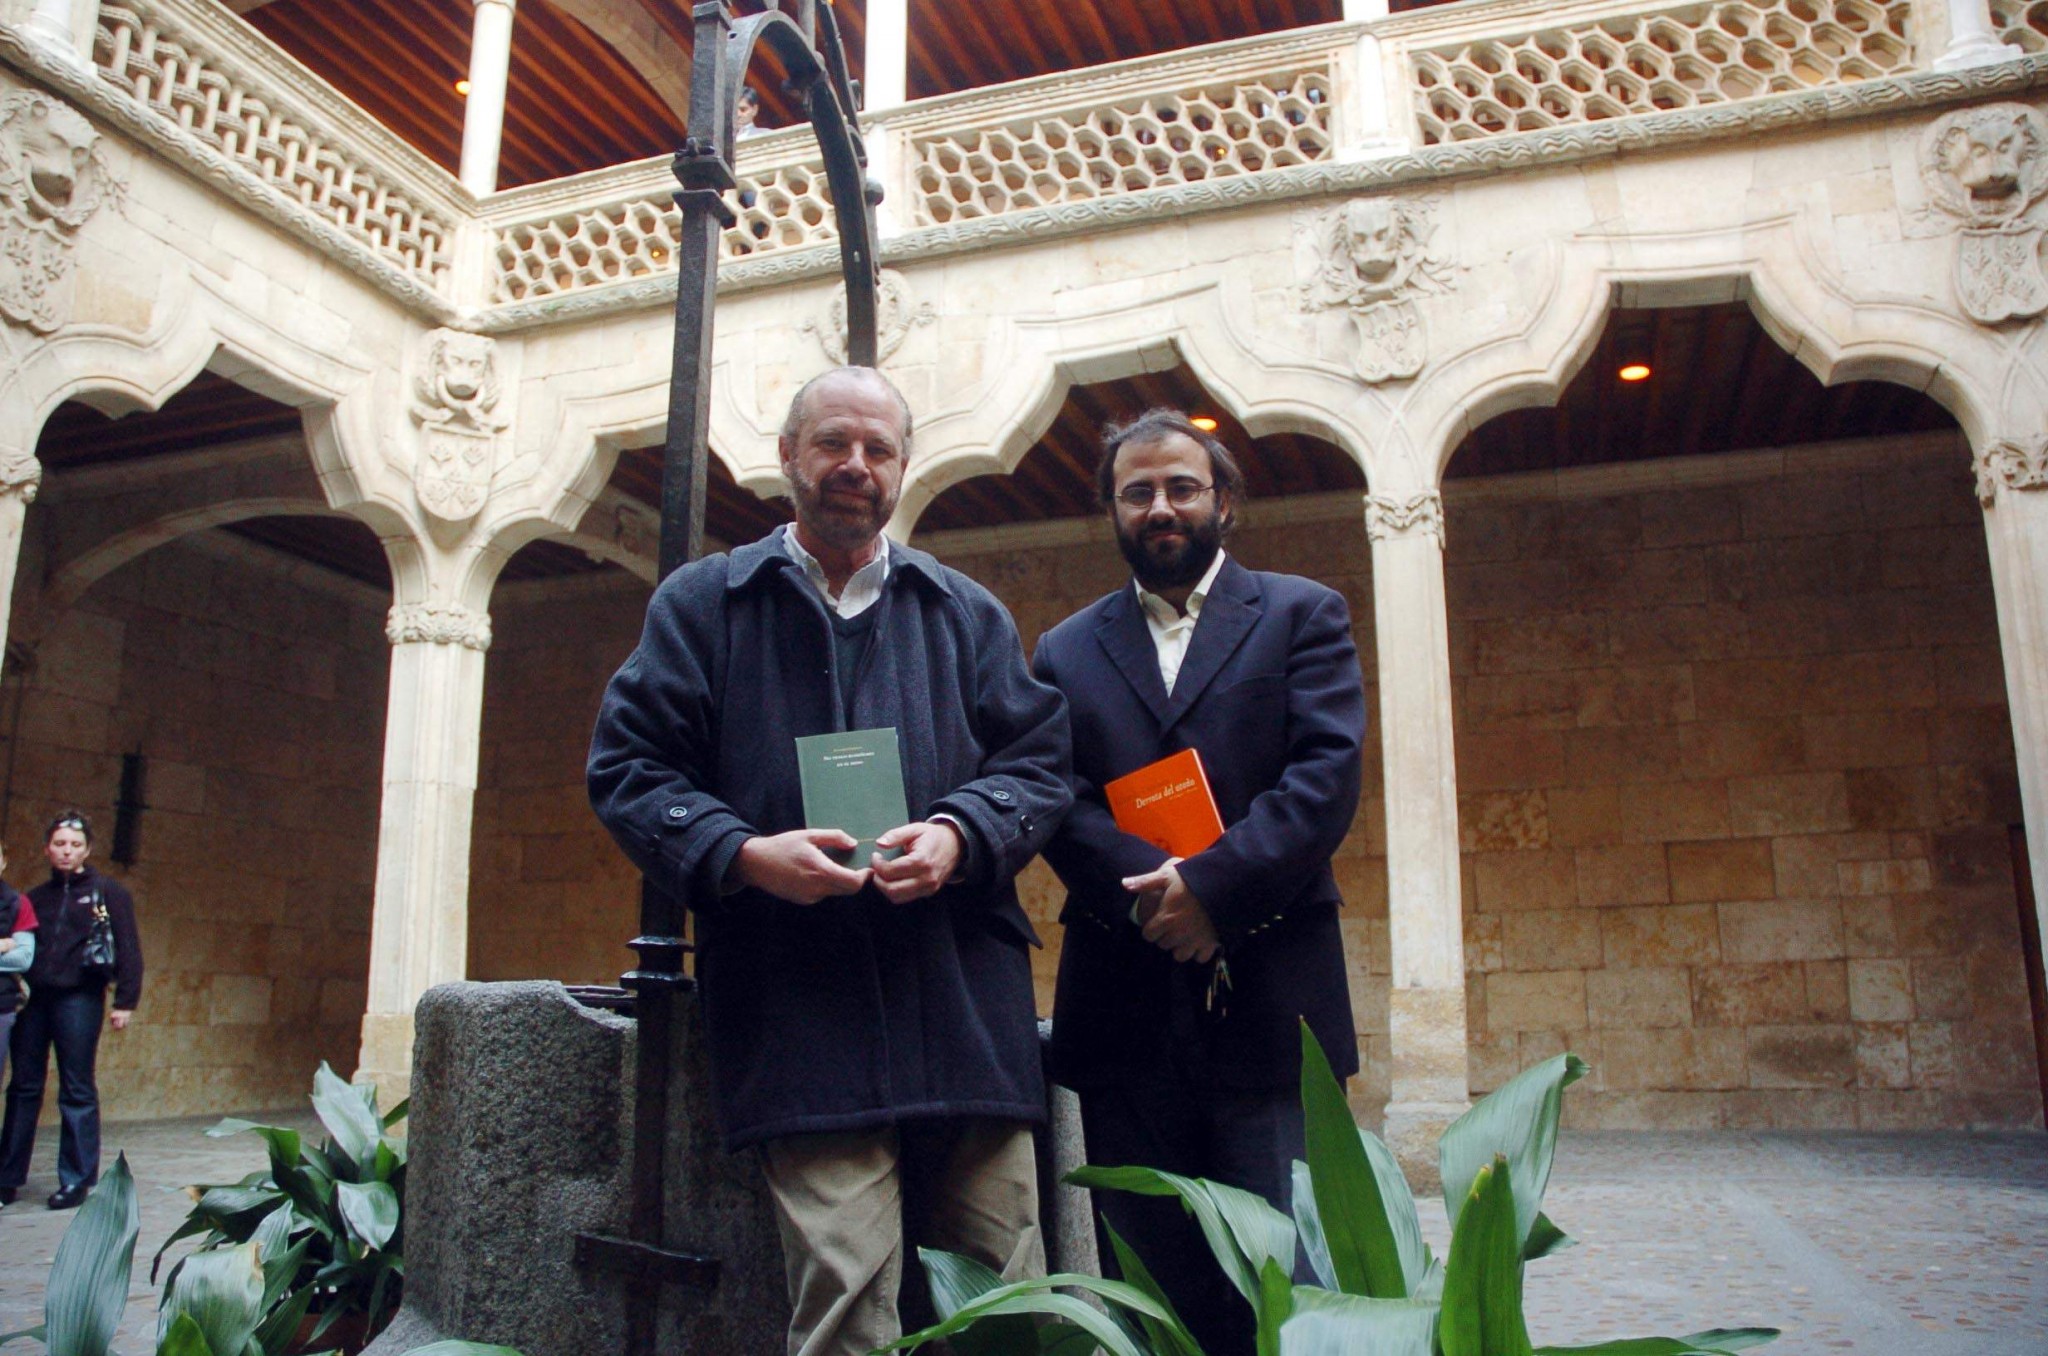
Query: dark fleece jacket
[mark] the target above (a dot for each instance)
(64, 915)
(852, 1012)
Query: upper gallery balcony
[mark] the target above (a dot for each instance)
(341, 121)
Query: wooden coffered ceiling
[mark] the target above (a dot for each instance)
(1718, 384)
(577, 102)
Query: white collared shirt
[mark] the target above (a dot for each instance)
(863, 590)
(1172, 632)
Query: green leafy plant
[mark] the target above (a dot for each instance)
(222, 1302)
(1380, 1290)
(327, 1220)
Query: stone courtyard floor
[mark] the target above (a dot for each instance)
(1914, 1244)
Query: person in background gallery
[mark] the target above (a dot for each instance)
(66, 1005)
(1183, 983)
(17, 952)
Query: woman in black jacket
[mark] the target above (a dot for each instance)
(66, 1000)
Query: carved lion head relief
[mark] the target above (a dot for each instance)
(50, 164)
(1987, 165)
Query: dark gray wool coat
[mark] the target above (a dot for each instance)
(852, 1012)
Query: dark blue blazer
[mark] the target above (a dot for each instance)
(1270, 694)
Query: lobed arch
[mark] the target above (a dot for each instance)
(1981, 377)
(1038, 359)
(70, 581)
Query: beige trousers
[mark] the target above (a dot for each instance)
(843, 1200)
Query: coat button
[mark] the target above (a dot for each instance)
(999, 794)
(678, 812)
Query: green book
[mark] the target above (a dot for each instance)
(853, 781)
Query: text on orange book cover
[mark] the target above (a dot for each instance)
(1168, 804)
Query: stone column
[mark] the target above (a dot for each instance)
(483, 123)
(1970, 39)
(18, 485)
(1426, 1005)
(419, 932)
(2012, 485)
(885, 65)
(53, 26)
(885, 84)
(1369, 126)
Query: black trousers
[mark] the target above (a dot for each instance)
(1243, 1139)
(68, 1020)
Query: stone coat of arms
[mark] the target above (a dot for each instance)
(1373, 259)
(52, 179)
(1986, 168)
(456, 408)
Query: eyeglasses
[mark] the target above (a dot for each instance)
(1179, 493)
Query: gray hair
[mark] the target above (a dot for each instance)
(793, 422)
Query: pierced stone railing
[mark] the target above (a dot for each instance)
(1240, 108)
(217, 82)
(2023, 23)
(1568, 69)
(621, 224)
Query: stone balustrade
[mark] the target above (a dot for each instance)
(2022, 23)
(213, 91)
(620, 224)
(1592, 62)
(220, 86)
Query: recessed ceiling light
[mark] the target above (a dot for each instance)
(1635, 372)
(1204, 423)
(462, 87)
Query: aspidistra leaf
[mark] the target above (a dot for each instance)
(1276, 1304)
(1517, 1122)
(1482, 1304)
(371, 1210)
(1349, 1207)
(222, 1292)
(88, 1286)
(1242, 1230)
(1325, 1323)
(349, 1119)
(1168, 1333)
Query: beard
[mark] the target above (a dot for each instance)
(836, 522)
(1160, 564)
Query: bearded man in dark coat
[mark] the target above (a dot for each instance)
(872, 1027)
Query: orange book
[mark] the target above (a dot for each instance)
(1168, 804)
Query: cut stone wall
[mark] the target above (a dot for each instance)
(551, 897)
(258, 703)
(1736, 779)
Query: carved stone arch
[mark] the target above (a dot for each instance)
(118, 371)
(1838, 336)
(74, 575)
(988, 429)
(586, 436)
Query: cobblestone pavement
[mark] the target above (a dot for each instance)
(1890, 1245)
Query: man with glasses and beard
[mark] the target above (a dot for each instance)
(871, 1026)
(1183, 983)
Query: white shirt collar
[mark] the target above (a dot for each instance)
(1165, 613)
(863, 589)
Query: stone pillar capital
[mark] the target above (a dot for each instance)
(1391, 517)
(20, 479)
(438, 624)
(2010, 466)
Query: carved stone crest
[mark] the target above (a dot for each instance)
(897, 313)
(1373, 259)
(52, 179)
(1986, 168)
(455, 405)
(2007, 465)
